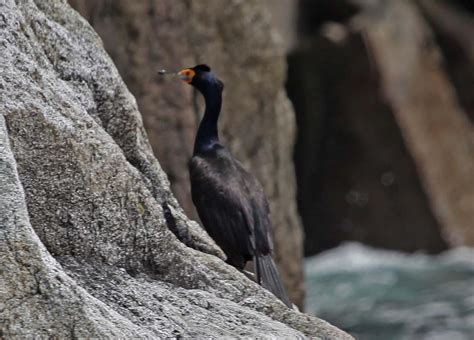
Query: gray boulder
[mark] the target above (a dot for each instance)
(86, 248)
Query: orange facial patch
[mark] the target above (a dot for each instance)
(187, 75)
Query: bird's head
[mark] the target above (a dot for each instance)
(201, 77)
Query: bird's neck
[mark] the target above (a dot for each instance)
(207, 135)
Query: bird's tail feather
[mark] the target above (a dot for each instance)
(269, 277)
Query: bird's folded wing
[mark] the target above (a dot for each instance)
(225, 211)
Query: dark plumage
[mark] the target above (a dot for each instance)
(229, 200)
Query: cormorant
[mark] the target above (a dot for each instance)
(229, 200)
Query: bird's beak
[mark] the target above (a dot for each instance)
(186, 74)
(166, 73)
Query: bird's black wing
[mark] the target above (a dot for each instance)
(261, 213)
(223, 204)
(234, 210)
(265, 268)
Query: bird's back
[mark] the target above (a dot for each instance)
(231, 205)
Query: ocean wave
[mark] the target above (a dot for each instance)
(380, 294)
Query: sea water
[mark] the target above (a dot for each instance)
(384, 295)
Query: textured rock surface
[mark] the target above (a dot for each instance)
(85, 210)
(237, 39)
(36, 296)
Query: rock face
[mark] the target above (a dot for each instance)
(384, 149)
(356, 178)
(257, 124)
(436, 128)
(85, 209)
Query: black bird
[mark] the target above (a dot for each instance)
(229, 200)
